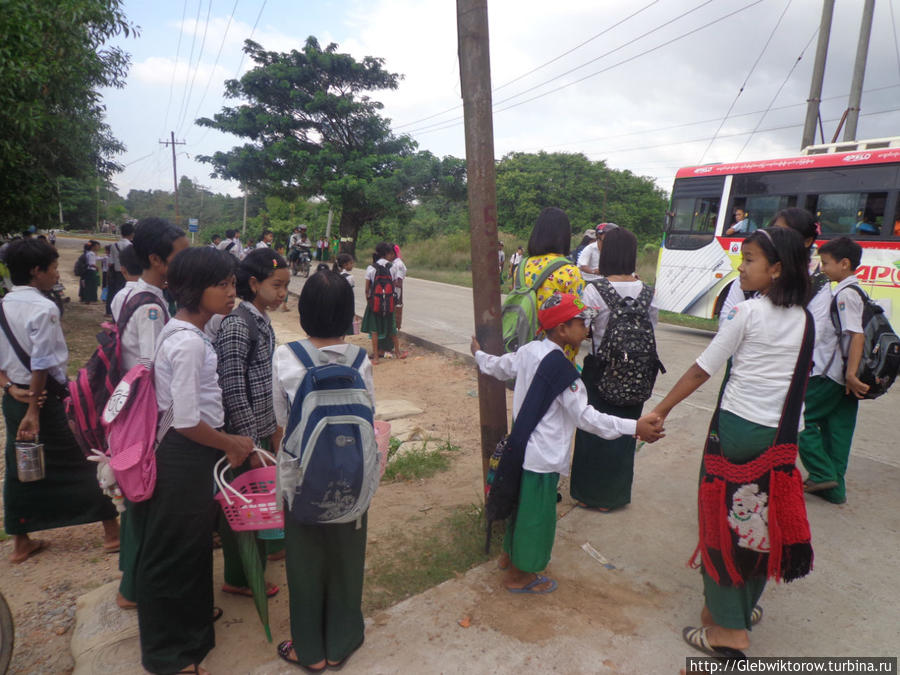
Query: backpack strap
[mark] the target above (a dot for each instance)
(553, 375)
(17, 348)
(606, 290)
(135, 301)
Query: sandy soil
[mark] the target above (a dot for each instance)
(42, 590)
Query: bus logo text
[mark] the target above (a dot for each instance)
(878, 275)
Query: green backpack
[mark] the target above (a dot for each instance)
(519, 316)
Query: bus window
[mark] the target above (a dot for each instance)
(761, 210)
(851, 213)
(696, 215)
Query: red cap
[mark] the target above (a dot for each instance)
(562, 307)
(603, 228)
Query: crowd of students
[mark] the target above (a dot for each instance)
(224, 388)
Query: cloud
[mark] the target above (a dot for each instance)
(159, 71)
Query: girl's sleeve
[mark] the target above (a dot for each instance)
(502, 367)
(233, 351)
(279, 395)
(726, 342)
(186, 358)
(735, 295)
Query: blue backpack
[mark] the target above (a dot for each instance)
(328, 467)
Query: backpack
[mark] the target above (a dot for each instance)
(519, 315)
(626, 362)
(134, 428)
(328, 469)
(880, 361)
(383, 300)
(95, 382)
(80, 265)
(504, 479)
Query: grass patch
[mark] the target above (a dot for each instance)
(3, 535)
(688, 321)
(404, 563)
(415, 464)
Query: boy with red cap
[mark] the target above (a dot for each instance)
(530, 534)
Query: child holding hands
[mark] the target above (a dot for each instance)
(529, 537)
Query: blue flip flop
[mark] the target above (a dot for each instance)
(537, 581)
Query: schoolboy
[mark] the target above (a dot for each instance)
(131, 271)
(529, 539)
(832, 401)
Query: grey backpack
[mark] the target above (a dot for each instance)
(626, 362)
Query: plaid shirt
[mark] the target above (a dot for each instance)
(245, 378)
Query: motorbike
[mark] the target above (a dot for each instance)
(300, 260)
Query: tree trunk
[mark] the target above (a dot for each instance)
(352, 221)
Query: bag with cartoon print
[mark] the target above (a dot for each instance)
(752, 516)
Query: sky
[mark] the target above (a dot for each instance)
(644, 85)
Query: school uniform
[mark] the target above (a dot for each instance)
(68, 494)
(324, 563)
(174, 569)
(89, 280)
(763, 342)
(529, 537)
(116, 280)
(383, 326)
(115, 305)
(603, 469)
(590, 258)
(232, 246)
(830, 412)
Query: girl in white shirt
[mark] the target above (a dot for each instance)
(400, 278)
(343, 265)
(174, 567)
(89, 280)
(763, 338)
(381, 329)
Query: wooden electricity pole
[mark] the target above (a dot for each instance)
(475, 82)
(174, 170)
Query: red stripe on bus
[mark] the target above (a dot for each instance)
(855, 158)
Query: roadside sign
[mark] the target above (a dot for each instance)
(193, 225)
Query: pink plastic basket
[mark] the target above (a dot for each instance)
(250, 501)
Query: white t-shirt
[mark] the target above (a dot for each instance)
(34, 321)
(764, 341)
(186, 378)
(516, 258)
(399, 268)
(592, 298)
(139, 339)
(90, 260)
(115, 305)
(370, 270)
(850, 311)
(349, 277)
(590, 258)
(549, 445)
(825, 352)
(234, 250)
(262, 244)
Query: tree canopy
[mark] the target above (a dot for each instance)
(53, 63)
(313, 131)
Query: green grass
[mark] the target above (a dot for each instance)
(3, 535)
(422, 462)
(688, 321)
(405, 563)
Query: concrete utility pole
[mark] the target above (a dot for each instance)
(475, 82)
(244, 226)
(859, 70)
(174, 170)
(815, 87)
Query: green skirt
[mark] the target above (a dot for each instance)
(531, 531)
(68, 494)
(603, 470)
(383, 326)
(730, 606)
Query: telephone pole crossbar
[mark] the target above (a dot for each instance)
(173, 143)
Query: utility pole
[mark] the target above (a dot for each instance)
(244, 226)
(815, 87)
(174, 170)
(475, 83)
(859, 70)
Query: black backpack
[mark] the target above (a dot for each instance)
(383, 300)
(880, 361)
(626, 363)
(80, 265)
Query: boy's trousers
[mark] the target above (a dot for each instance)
(530, 533)
(830, 419)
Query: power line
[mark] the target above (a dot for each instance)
(747, 79)
(894, 28)
(187, 101)
(175, 65)
(218, 55)
(191, 57)
(778, 93)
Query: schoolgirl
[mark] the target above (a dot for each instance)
(33, 357)
(343, 265)
(769, 341)
(244, 345)
(400, 280)
(324, 563)
(89, 279)
(156, 242)
(380, 327)
(603, 470)
(174, 564)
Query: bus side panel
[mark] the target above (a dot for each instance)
(685, 279)
(879, 275)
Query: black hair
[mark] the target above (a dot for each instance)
(322, 267)
(264, 233)
(260, 264)
(552, 233)
(326, 305)
(42, 237)
(839, 248)
(23, 255)
(382, 250)
(784, 245)
(154, 236)
(129, 260)
(194, 270)
(127, 228)
(229, 234)
(586, 241)
(619, 252)
(341, 260)
(215, 236)
(800, 220)
(88, 245)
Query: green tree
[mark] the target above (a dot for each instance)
(53, 63)
(315, 132)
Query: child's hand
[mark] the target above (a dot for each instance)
(650, 428)
(856, 386)
(475, 346)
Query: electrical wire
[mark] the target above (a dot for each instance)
(175, 65)
(894, 28)
(747, 79)
(187, 101)
(252, 31)
(218, 55)
(191, 57)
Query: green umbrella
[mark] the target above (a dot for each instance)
(255, 571)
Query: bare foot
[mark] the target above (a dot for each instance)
(24, 547)
(706, 617)
(503, 561)
(515, 578)
(271, 589)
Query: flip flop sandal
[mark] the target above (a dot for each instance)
(284, 652)
(271, 590)
(756, 615)
(537, 581)
(696, 638)
(340, 664)
(111, 549)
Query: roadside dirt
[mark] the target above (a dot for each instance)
(42, 590)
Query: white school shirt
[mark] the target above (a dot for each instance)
(90, 260)
(185, 374)
(288, 373)
(349, 277)
(548, 448)
(115, 251)
(400, 267)
(234, 250)
(34, 321)
(370, 270)
(764, 341)
(262, 244)
(850, 310)
(141, 334)
(115, 305)
(590, 258)
(516, 258)
(627, 289)
(825, 351)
